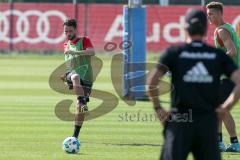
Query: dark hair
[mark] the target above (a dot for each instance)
(197, 29)
(70, 22)
(215, 5)
(196, 22)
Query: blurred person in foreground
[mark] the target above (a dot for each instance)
(192, 123)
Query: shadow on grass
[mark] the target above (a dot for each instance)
(231, 153)
(134, 144)
(129, 144)
(84, 154)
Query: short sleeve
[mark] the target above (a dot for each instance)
(87, 43)
(166, 60)
(228, 65)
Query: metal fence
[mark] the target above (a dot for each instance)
(38, 26)
(146, 2)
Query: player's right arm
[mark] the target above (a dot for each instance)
(231, 70)
(87, 52)
(154, 76)
(153, 81)
(235, 95)
(88, 49)
(225, 37)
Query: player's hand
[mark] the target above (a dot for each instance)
(63, 77)
(221, 111)
(162, 115)
(69, 52)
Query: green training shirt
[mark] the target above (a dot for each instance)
(79, 64)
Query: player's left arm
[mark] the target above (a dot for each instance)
(227, 41)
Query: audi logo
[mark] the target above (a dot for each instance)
(23, 26)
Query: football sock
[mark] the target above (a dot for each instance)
(76, 131)
(220, 137)
(233, 139)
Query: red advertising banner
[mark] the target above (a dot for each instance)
(39, 26)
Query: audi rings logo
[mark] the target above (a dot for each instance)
(23, 26)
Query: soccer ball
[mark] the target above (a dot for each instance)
(71, 145)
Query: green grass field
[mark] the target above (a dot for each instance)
(30, 130)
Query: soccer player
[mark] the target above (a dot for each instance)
(79, 75)
(226, 39)
(192, 123)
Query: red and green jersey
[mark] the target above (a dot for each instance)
(79, 64)
(219, 44)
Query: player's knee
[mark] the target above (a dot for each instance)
(75, 77)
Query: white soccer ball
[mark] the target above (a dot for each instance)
(71, 145)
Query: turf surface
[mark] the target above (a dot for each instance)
(30, 130)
